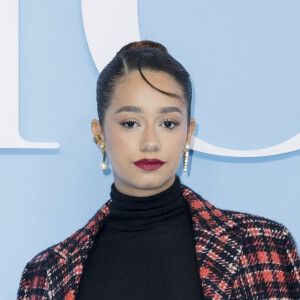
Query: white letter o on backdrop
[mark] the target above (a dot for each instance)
(121, 17)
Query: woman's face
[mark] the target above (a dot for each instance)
(143, 123)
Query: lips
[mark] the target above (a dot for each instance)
(149, 164)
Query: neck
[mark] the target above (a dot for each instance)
(131, 213)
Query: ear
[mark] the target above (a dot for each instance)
(190, 131)
(98, 130)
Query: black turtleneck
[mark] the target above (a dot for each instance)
(145, 251)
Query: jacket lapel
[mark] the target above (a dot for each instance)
(68, 258)
(218, 242)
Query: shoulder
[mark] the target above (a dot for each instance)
(41, 259)
(252, 225)
(257, 232)
(263, 235)
(268, 258)
(34, 276)
(258, 226)
(262, 251)
(34, 280)
(63, 246)
(267, 243)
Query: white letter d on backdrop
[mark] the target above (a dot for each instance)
(9, 80)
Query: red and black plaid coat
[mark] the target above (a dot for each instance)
(240, 256)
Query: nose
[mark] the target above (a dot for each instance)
(150, 140)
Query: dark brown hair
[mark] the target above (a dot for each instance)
(138, 56)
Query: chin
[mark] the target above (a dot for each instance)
(151, 180)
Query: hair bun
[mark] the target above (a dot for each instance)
(143, 44)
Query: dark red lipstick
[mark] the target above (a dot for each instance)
(149, 164)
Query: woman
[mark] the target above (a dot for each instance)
(156, 238)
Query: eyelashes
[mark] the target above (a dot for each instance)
(130, 124)
(170, 124)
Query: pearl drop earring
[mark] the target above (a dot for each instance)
(103, 165)
(186, 157)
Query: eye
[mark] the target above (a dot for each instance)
(170, 124)
(129, 124)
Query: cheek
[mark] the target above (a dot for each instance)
(175, 147)
(119, 144)
(175, 141)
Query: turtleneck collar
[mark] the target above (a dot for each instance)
(130, 213)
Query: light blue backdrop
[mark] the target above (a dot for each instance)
(244, 60)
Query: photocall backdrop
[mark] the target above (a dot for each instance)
(243, 58)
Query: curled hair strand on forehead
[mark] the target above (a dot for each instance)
(156, 88)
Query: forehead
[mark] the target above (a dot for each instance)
(134, 90)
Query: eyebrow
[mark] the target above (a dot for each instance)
(170, 109)
(129, 109)
(136, 109)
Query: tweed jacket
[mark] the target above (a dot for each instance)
(240, 256)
